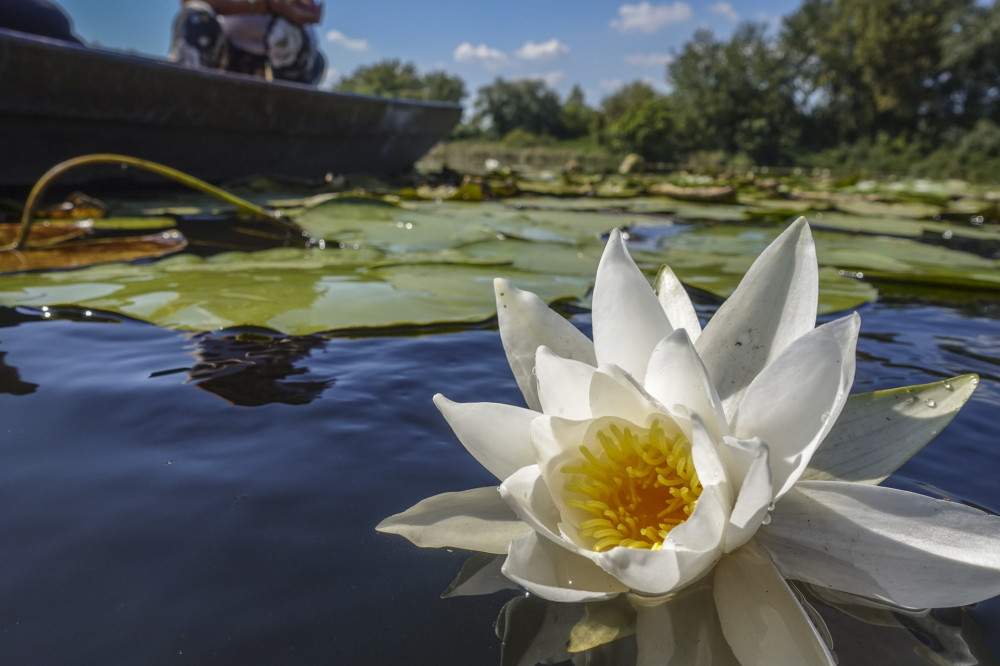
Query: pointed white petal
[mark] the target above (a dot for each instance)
(480, 575)
(556, 574)
(774, 304)
(563, 385)
(627, 317)
(676, 375)
(901, 547)
(878, 432)
(795, 400)
(750, 461)
(683, 629)
(676, 303)
(526, 323)
(763, 621)
(476, 519)
(496, 435)
(692, 547)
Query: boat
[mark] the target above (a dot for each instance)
(59, 100)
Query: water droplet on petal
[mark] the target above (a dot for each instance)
(930, 403)
(825, 417)
(767, 520)
(948, 386)
(770, 507)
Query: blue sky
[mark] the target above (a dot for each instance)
(599, 45)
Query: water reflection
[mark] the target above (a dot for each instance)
(858, 631)
(251, 367)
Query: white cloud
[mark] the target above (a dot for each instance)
(649, 59)
(545, 51)
(725, 10)
(611, 85)
(645, 17)
(339, 38)
(482, 54)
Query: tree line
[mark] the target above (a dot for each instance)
(903, 80)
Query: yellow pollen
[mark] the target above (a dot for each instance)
(639, 485)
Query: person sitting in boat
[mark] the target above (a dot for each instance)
(269, 38)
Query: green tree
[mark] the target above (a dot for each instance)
(738, 96)
(647, 129)
(630, 96)
(870, 66)
(525, 104)
(393, 78)
(578, 119)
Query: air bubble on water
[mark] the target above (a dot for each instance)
(930, 403)
(770, 507)
(767, 520)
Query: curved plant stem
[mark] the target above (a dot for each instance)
(34, 197)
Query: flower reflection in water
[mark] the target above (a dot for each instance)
(708, 477)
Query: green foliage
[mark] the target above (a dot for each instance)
(525, 104)
(393, 78)
(647, 129)
(578, 119)
(737, 96)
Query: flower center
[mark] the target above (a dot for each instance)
(639, 485)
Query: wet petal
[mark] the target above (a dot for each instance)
(750, 463)
(683, 629)
(763, 621)
(496, 435)
(901, 547)
(795, 401)
(628, 319)
(676, 303)
(563, 385)
(676, 375)
(556, 574)
(476, 519)
(878, 432)
(773, 305)
(526, 323)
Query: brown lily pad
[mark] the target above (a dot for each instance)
(45, 233)
(78, 254)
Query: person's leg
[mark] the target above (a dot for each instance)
(292, 53)
(197, 39)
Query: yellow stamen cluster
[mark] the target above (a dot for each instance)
(638, 487)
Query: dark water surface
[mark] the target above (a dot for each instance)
(146, 519)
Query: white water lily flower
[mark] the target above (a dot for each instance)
(660, 455)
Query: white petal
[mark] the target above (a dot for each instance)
(615, 393)
(563, 385)
(627, 318)
(901, 547)
(878, 432)
(496, 435)
(795, 401)
(761, 618)
(526, 323)
(556, 574)
(774, 304)
(526, 494)
(683, 629)
(750, 462)
(676, 375)
(692, 547)
(676, 303)
(476, 519)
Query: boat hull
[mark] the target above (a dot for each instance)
(60, 100)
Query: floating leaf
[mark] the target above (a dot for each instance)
(81, 253)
